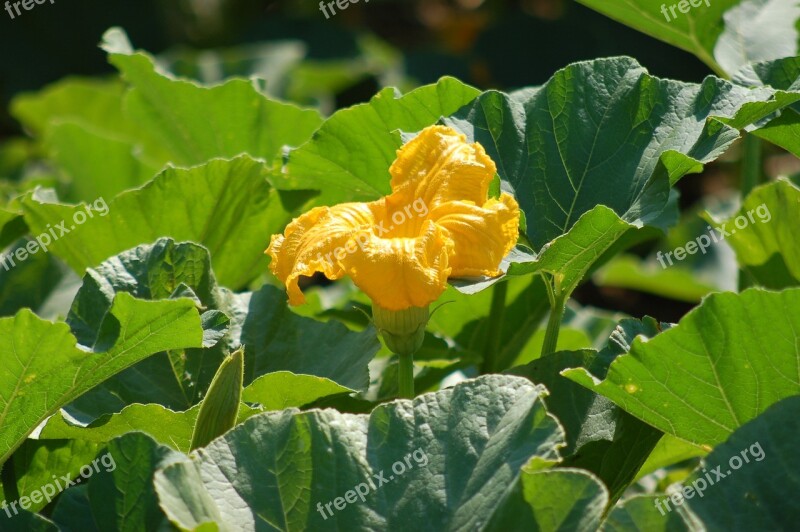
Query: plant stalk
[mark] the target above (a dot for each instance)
(751, 164)
(491, 350)
(558, 302)
(405, 376)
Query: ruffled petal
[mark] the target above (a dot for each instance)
(438, 166)
(481, 235)
(398, 273)
(317, 241)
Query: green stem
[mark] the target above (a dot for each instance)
(405, 376)
(491, 351)
(751, 177)
(751, 164)
(558, 301)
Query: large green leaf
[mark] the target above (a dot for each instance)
(193, 123)
(724, 34)
(46, 368)
(94, 103)
(764, 234)
(98, 166)
(228, 206)
(741, 485)
(722, 365)
(592, 154)
(759, 463)
(460, 452)
(605, 132)
(349, 157)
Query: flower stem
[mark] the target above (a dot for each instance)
(405, 376)
(558, 301)
(491, 351)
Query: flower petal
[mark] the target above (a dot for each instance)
(438, 166)
(481, 236)
(398, 273)
(316, 242)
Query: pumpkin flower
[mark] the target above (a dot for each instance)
(438, 223)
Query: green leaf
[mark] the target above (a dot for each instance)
(40, 466)
(220, 407)
(669, 451)
(559, 499)
(592, 154)
(349, 157)
(760, 464)
(94, 103)
(193, 124)
(25, 521)
(678, 282)
(120, 496)
(30, 387)
(283, 389)
(605, 132)
(724, 34)
(274, 391)
(72, 510)
(764, 234)
(97, 166)
(167, 427)
(173, 429)
(722, 365)
(460, 450)
(276, 339)
(600, 436)
(163, 270)
(755, 31)
(226, 205)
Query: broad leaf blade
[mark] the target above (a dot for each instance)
(722, 365)
(47, 369)
(226, 205)
(467, 455)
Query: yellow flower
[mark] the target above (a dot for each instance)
(437, 223)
